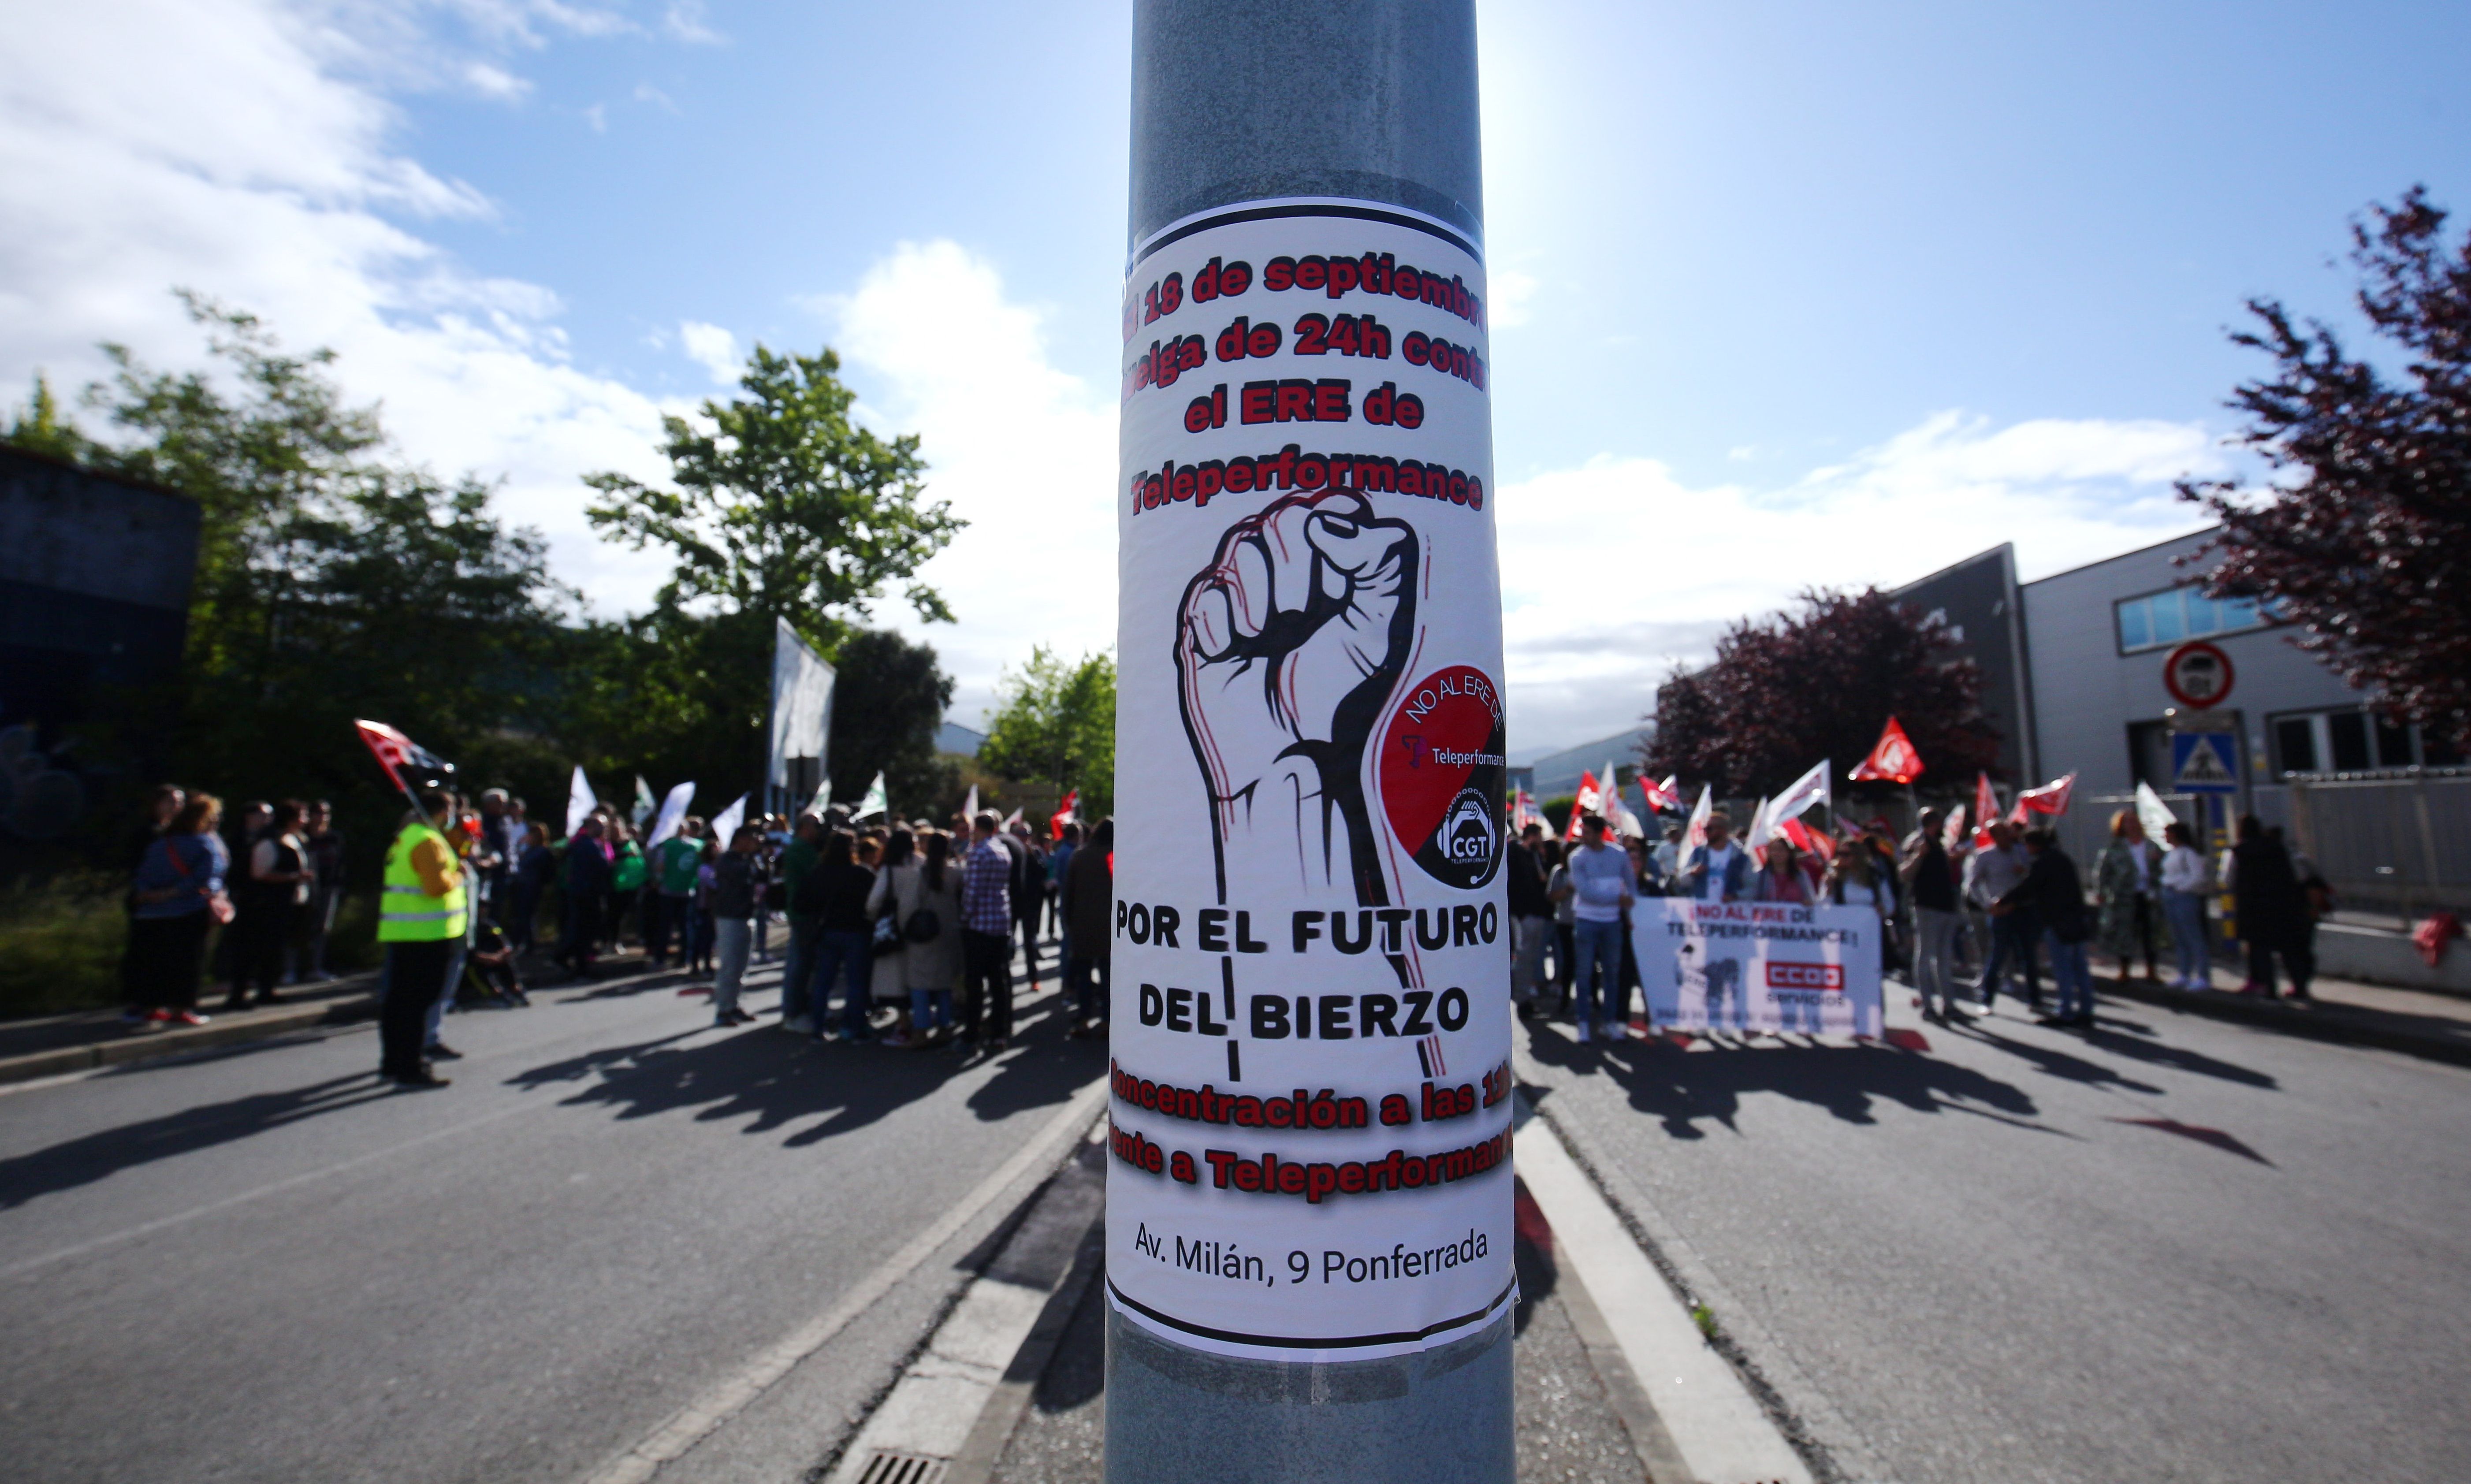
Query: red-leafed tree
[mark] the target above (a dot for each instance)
(1820, 682)
(2365, 541)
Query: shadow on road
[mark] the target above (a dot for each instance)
(772, 1081)
(101, 1155)
(1687, 1087)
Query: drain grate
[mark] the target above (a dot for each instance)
(886, 1466)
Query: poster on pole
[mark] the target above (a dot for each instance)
(1310, 1112)
(802, 718)
(1771, 966)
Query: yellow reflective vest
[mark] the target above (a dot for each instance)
(407, 914)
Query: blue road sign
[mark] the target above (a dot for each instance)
(2204, 762)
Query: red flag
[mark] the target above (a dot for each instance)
(2051, 798)
(1807, 840)
(1586, 804)
(1064, 813)
(1892, 760)
(395, 752)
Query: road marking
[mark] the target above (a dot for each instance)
(1718, 1426)
(159, 1223)
(734, 1393)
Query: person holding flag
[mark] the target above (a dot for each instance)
(421, 918)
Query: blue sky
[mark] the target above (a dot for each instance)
(1792, 293)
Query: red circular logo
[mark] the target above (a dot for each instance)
(1441, 774)
(2198, 675)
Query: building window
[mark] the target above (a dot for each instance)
(2159, 620)
(2353, 740)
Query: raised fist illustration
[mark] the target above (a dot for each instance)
(1287, 645)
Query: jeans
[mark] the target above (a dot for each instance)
(2012, 946)
(986, 978)
(845, 955)
(732, 939)
(2186, 911)
(1527, 959)
(930, 1009)
(457, 949)
(1089, 988)
(2071, 977)
(1934, 942)
(1597, 946)
(798, 968)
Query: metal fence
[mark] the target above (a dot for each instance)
(2395, 848)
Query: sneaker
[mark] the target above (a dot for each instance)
(440, 1052)
(1586, 1032)
(419, 1079)
(739, 1017)
(802, 1024)
(138, 1016)
(187, 1018)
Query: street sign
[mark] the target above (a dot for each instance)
(2198, 675)
(2204, 762)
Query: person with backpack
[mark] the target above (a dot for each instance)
(840, 890)
(924, 898)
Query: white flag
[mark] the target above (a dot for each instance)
(580, 801)
(673, 811)
(644, 805)
(969, 810)
(1756, 841)
(1811, 787)
(1618, 813)
(2152, 813)
(823, 798)
(877, 801)
(1696, 832)
(1009, 820)
(726, 824)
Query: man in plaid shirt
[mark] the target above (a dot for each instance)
(986, 938)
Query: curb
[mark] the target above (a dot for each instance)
(2320, 1023)
(224, 1030)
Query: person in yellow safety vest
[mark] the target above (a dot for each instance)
(422, 916)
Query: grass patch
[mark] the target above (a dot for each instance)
(1706, 1319)
(60, 941)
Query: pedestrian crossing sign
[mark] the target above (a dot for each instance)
(2204, 762)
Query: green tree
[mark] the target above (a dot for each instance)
(888, 698)
(1055, 723)
(783, 508)
(39, 428)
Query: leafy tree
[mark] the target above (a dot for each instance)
(2365, 539)
(783, 508)
(1056, 724)
(1794, 687)
(888, 698)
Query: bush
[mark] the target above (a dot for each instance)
(59, 945)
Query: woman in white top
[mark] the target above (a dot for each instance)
(2186, 878)
(924, 899)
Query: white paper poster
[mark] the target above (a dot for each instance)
(1310, 992)
(1758, 966)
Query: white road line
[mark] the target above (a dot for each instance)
(733, 1394)
(1719, 1428)
(159, 1223)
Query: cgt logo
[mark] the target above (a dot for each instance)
(1825, 977)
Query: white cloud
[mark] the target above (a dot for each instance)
(1513, 291)
(645, 92)
(712, 347)
(1024, 452)
(1614, 569)
(685, 21)
(490, 81)
(229, 146)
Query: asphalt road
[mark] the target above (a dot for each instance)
(260, 1265)
(2169, 1249)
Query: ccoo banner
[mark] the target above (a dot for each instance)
(1310, 1112)
(1758, 966)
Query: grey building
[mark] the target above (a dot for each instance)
(95, 575)
(1977, 601)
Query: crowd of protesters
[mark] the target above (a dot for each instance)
(899, 933)
(1959, 918)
